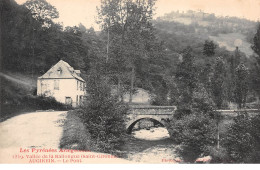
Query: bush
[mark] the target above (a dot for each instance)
(194, 126)
(194, 133)
(16, 99)
(219, 155)
(103, 115)
(242, 140)
(44, 103)
(28, 104)
(201, 102)
(75, 135)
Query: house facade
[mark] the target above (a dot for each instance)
(63, 83)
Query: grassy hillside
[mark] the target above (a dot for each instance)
(232, 40)
(181, 29)
(212, 23)
(18, 95)
(16, 85)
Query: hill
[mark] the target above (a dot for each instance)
(15, 86)
(192, 26)
(232, 40)
(18, 95)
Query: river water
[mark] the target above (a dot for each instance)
(150, 146)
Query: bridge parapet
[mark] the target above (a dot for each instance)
(152, 110)
(236, 112)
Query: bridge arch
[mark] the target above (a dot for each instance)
(158, 114)
(158, 120)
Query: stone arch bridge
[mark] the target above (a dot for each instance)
(157, 114)
(163, 114)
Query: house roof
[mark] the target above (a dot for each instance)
(61, 70)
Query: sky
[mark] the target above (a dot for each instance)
(73, 12)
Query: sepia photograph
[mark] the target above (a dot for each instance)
(130, 82)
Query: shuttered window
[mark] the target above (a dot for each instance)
(56, 85)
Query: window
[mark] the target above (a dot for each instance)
(80, 86)
(59, 71)
(68, 101)
(44, 87)
(81, 99)
(56, 85)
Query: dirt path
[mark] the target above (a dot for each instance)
(38, 129)
(28, 131)
(22, 135)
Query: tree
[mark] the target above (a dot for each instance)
(256, 45)
(194, 133)
(242, 139)
(256, 68)
(241, 85)
(206, 75)
(209, 48)
(102, 114)
(94, 45)
(255, 80)
(27, 41)
(125, 23)
(194, 126)
(186, 80)
(217, 89)
(233, 61)
(112, 18)
(42, 11)
(218, 79)
(17, 33)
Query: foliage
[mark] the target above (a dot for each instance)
(186, 78)
(31, 47)
(218, 80)
(194, 127)
(242, 139)
(256, 42)
(134, 56)
(194, 133)
(202, 101)
(140, 54)
(131, 51)
(232, 62)
(42, 11)
(256, 68)
(219, 155)
(103, 115)
(209, 24)
(241, 84)
(255, 79)
(209, 48)
(75, 135)
(29, 104)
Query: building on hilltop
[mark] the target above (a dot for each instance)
(63, 83)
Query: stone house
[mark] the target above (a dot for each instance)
(63, 83)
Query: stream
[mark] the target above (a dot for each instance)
(150, 145)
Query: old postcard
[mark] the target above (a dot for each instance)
(130, 82)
